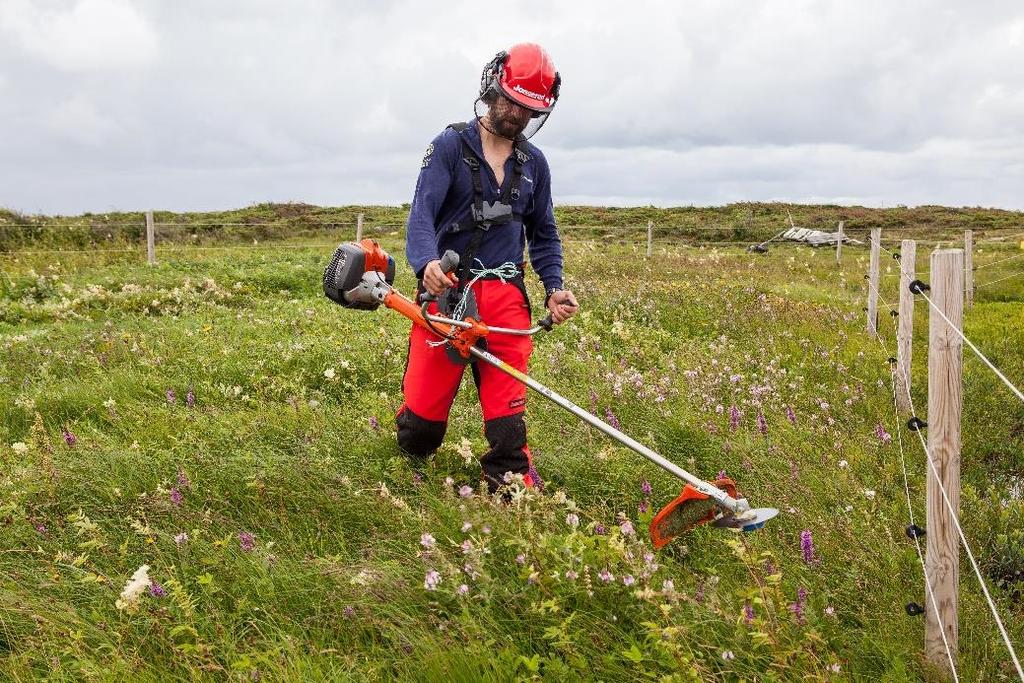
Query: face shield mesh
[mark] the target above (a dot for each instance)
(505, 118)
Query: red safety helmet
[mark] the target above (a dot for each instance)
(525, 75)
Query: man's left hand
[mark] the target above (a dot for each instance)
(562, 305)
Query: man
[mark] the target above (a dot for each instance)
(485, 192)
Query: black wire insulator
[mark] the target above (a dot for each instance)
(894, 313)
(916, 424)
(919, 286)
(914, 531)
(896, 255)
(914, 609)
(892, 360)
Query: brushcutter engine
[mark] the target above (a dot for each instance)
(359, 275)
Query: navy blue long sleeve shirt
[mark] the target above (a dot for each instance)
(444, 196)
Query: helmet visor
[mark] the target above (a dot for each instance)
(504, 117)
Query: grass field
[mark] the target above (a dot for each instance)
(217, 419)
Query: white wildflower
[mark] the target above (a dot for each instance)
(134, 588)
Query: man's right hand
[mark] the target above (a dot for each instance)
(434, 280)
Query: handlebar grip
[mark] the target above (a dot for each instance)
(546, 323)
(449, 262)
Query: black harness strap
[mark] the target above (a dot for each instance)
(483, 214)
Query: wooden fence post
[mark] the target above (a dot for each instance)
(905, 320)
(359, 227)
(945, 401)
(150, 239)
(969, 266)
(839, 244)
(876, 241)
(650, 237)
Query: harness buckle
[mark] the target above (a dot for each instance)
(492, 213)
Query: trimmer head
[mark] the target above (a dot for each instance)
(691, 509)
(749, 520)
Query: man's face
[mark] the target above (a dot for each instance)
(507, 118)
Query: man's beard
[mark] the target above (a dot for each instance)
(506, 127)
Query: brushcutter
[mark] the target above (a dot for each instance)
(361, 276)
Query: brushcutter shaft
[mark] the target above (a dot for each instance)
(720, 496)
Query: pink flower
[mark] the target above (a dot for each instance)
(606, 576)
(190, 398)
(734, 418)
(807, 545)
(176, 496)
(462, 589)
(883, 436)
(69, 438)
(465, 491)
(171, 396)
(628, 580)
(790, 415)
(246, 541)
(181, 538)
(427, 541)
(431, 579)
(762, 424)
(627, 528)
(183, 481)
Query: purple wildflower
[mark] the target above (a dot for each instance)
(610, 417)
(462, 589)
(797, 608)
(176, 496)
(883, 436)
(374, 424)
(520, 559)
(348, 612)
(646, 487)
(790, 415)
(431, 579)
(465, 491)
(762, 424)
(156, 590)
(642, 507)
(183, 481)
(628, 580)
(748, 613)
(41, 528)
(571, 575)
(190, 398)
(246, 541)
(721, 474)
(427, 541)
(171, 396)
(807, 545)
(627, 528)
(734, 418)
(606, 576)
(181, 538)
(699, 595)
(599, 529)
(69, 438)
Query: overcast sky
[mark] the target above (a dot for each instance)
(210, 104)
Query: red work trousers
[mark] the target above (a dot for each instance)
(432, 380)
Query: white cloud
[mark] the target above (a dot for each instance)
(663, 102)
(86, 35)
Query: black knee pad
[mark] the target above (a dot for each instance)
(418, 436)
(507, 438)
